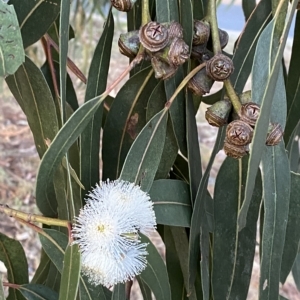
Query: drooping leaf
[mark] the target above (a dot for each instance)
(41, 272)
(276, 208)
(145, 290)
(173, 266)
(70, 273)
(166, 11)
(62, 142)
(199, 218)
(126, 118)
(194, 157)
(172, 204)
(248, 7)
(30, 89)
(293, 85)
(187, 21)
(143, 158)
(30, 14)
(155, 275)
(12, 53)
(156, 103)
(37, 292)
(13, 257)
(53, 278)
(292, 236)
(90, 137)
(119, 292)
(233, 251)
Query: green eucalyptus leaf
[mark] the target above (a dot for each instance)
(53, 278)
(194, 157)
(37, 292)
(172, 204)
(126, 118)
(70, 273)
(156, 103)
(248, 7)
(71, 97)
(293, 85)
(12, 53)
(146, 292)
(177, 110)
(276, 208)
(41, 272)
(30, 14)
(30, 89)
(199, 218)
(13, 257)
(155, 275)
(292, 236)
(67, 135)
(166, 11)
(96, 84)
(119, 292)
(233, 251)
(199, 9)
(145, 153)
(187, 21)
(173, 266)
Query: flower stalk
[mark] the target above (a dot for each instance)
(29, 218)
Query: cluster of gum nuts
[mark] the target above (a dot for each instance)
(166, 49)
(239, 131)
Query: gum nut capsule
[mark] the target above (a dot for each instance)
(239, 133)
(201, 32)
(275, 133)
(234, 151)
(154, 36)
(201, 83)
(220, 67)
(175, 30)
(217, 114)
(178, 52)
(129, 43)
(249, 113)
(123, 5)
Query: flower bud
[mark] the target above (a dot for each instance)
(220, 67)
(200, 84)
(275, 133)
(217, 114)
(129, 43)
(154, 36)
(123, 5)
(234, 151)
(239, 133)
(201, 32)
(249, 113)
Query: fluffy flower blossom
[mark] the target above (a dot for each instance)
(107, 232)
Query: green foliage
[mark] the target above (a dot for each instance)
(150, 137)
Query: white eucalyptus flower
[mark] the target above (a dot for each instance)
(106, 231)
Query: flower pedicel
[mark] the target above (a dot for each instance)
(107, 232)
